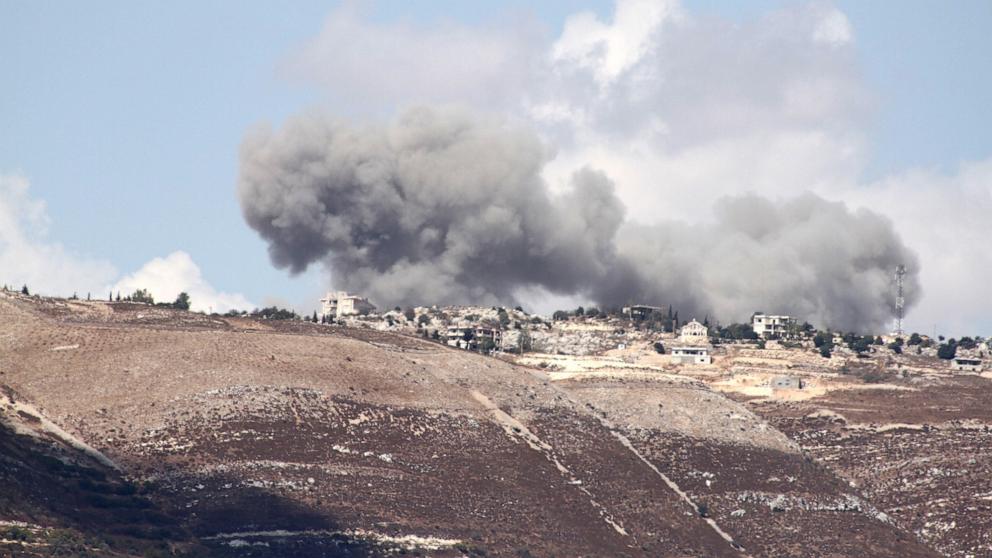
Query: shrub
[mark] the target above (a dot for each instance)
(659, 348)
(873, 377)
(182, 302)
(947, 351)
(825, 351)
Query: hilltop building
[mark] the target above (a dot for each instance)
(340, 303)
(694, 333)
(767, 326)
(691, 355)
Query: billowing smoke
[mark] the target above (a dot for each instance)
(446, 207)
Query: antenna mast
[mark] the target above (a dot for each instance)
(900, 299)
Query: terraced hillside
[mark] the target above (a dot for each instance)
(923, 454)
(266, 438)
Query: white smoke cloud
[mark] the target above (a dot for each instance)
(29, 257)
(166, 277)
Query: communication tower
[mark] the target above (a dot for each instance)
(900, 299)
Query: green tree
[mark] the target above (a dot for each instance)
(825, 351)
(142, 295)
(504, 318)
(915, 339)
(410, 314)
(947, 351)
(559, 315)
(423, 320)
(580, 311)
(487, 345)
(25, 291)
(182, 301)
(823, 339)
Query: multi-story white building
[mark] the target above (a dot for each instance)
(772, 326)
(340, 303)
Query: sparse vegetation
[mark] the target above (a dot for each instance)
(274, 313)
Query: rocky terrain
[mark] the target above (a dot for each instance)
(199, 435)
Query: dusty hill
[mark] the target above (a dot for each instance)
(267, 438)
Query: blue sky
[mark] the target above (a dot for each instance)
(126, 118)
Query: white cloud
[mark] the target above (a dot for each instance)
(372, 64)
(833, 28)
(609, 49)
(166, 277)
(28, 256)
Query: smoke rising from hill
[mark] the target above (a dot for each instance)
(443, 206)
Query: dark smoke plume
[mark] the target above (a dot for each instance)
(446, 207)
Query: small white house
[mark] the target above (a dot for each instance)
(691, 355)
(786, 382)
(693, 332)
(967, 364)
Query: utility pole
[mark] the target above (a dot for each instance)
(900, 299)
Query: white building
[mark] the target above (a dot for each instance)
(340, 303)
(771, 326)
(691, 355)
(693, 333)
(471, 338)
(967, 364)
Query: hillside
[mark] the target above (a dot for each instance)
(269, 438)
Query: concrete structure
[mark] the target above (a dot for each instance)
(640, 311)
(771, 326)
(786, 382)
(340, 303)
(967, 364)
(476, 336)
(694, 333)
(691, 355)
